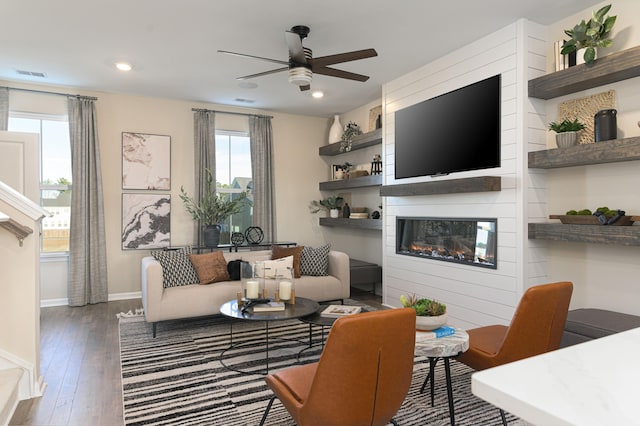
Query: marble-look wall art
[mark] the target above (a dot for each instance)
(146, 221)
(146, 161)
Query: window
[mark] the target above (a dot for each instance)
(233, 176)
(55, 174)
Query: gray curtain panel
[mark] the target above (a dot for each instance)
(264, 203)
(87, 248)
(4, 108)
(204, 135)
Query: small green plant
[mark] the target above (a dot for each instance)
(330, 203)
(423, 307)
(214, 208)
(591, 34)
(586, 212)
(566, 125)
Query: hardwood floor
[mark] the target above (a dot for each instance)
(80, 363)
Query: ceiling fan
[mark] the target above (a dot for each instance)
(302, 65)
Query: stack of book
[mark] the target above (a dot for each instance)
(435, 334)
(337, 311)
(269, 307)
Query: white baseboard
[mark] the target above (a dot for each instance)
(47, 303)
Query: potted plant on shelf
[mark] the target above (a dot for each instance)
(332, 204)
(213, 209)
(429, 313)
(566, 132)
(590, 35)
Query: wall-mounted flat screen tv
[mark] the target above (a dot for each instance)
(454, 132)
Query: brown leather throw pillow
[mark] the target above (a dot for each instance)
(210, 267)
(278, 252)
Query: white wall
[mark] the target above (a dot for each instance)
(474, 296)
(605, 276)
(298, 171)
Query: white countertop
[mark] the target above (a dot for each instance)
(592, 383)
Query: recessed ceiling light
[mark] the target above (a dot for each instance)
(123, 66)
(317, 94)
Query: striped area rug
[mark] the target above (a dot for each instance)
(179, 378)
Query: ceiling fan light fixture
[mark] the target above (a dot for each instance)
(300, 76)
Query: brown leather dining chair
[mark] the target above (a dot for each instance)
(536, 328)
(362, 377)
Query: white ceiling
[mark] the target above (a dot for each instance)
(173, 44)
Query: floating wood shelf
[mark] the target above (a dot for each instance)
(613, 151)
(608, 69)
(375, 224)
(359, 182)
(474, 184)
(618, 235)
(364, 140)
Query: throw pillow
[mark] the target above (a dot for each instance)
(177, 269)
(210, 267)
(235, 268)
(278, 252)
(271, 268)
(315, 261)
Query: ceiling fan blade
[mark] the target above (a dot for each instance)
(242, 55)
(303, 88)
(324, 61)
(296, 50)
(340, 74)
(260, 74)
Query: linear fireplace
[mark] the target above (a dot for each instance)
(470, 241)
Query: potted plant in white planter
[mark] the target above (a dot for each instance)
(429, 313)
(590, 35)
(566, 132)
(332, 204)
(213, 209)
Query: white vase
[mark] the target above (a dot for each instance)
(335, 132)
(566, 139)
(580, 55)
(334, 213)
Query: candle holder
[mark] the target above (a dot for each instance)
(285, 284)
(252, 281)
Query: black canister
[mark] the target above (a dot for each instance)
(605, 126)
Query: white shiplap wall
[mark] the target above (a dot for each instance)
(475, 296)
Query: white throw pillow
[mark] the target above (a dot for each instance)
(271, 268)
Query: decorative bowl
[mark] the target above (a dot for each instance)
(430, 323)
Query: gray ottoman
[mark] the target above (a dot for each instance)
(587, 324)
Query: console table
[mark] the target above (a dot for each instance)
(243, 246)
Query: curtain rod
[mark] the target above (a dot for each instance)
(93, 98)
(229, 112)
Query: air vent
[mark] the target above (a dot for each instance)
(31, 73)
(245, 101)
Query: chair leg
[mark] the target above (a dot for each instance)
(503, 417)
(393, 422)
(266, 411)
(154, 330)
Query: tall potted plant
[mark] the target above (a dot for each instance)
(213, 209)
(590, 35)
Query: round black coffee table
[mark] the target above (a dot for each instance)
(301, 308)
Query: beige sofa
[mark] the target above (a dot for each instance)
(196, 300)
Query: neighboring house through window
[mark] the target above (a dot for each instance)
(55, 174)
(233, 176)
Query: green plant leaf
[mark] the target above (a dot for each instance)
(589, 55)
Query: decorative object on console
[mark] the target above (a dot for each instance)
(584, 109)
(254, 235)
(335, 132)
(237, 238)
(212, 209)
(350, 131)
(429, 313)
(566, 132)
(590, 35)
(605, 125)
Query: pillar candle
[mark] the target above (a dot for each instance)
(252, 289)
(285, 290)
